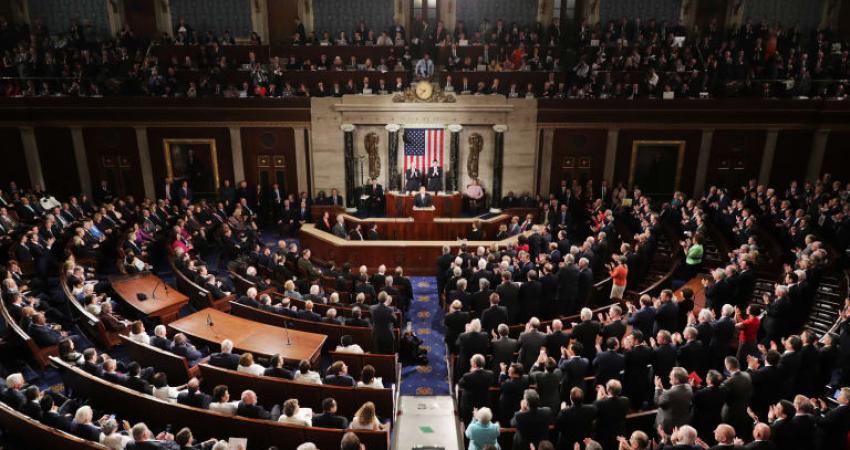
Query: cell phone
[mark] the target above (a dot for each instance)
(112, 417)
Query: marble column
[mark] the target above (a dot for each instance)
(348, 155)
(702, 161)
(611, 156)
(498, 159)
(32, 157)
(392, 156)
(815, 166)
(82, 161)
(453, 175)
(145, 161)
(767, 155)
(236, 154)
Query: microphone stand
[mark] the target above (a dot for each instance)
(153, 293)
(286, 330)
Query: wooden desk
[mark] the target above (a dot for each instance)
(249, 336)
(401, 205)
(163, 302)
(418, 257)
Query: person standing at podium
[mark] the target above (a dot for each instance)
(435, 177)
(413, 179)
(422, 199)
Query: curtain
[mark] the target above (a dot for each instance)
(58, 14)
(523, 12)
(659, 10)
(334, 16)
(806, 13)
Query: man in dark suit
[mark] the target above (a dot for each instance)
(503, 347)
(568, 276)
(575, 423)
(308, 314)
(586, 332)
(585, 282)
(480, 300)
(422, 199)
(383, 322)
(182, 347)
(44, 334)
(51, 415)
(135, 380)
(495, 315)
(413, 179)
(739, 390)
(475, 387)
(768, 382)
(834, 424)
(328, 418)
(376, 196)
(471, 342)
(573, 368)
(667, 314)
(530, 343)
(609, 364)
(12, 395)
(692, 354)
(722, 336)
(509, 297)
(248, 407)
(638, 360)
(556, 338)
(225, 358)
(611, 410)
(277, 370)
(337, 375)
(193, 395)
(642, 319)
(529, 296)
(531, 421)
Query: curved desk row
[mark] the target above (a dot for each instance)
(417, 257)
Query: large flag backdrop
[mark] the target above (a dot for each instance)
(421, 146)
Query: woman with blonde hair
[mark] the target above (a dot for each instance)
(289, 290)
(366, 419)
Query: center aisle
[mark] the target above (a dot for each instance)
(427, 319)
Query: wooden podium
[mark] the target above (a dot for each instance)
(400, 204)
(423, 221)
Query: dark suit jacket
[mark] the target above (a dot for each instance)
(530, 343)
(493, 316)
(574, 424)
(468, 344)
(503, 351)
(475, 388)
(421, 201)
(197, 399)
(608, 365)
(225, 360)
(339, 380)
(586, 332)
(327, 420)
(532, 427)
(610, 420)
(252, 411)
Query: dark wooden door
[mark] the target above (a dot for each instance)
(141, 17)
(282, 15)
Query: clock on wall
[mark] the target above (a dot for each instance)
(424, 90)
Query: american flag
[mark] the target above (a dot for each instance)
(421, 146)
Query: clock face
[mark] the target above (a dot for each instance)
(424, 90)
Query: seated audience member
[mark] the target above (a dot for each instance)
(290, 414)
(347, 345)
(247, 365)
(337, 375)
(135, 380)
(305, 375)
(225, 358)
(368, 378)
(162, 390)
(138, 333)
(193, 396)
(112, 438)
(366, 419)
(182, 347)
(328, 418)
(248, 407)
(160, 340)
(221, 401)
(276, 368)
(82, 425)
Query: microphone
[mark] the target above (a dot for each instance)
(286, 330)
(210, 322)
(153, 293)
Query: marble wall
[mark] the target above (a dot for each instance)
(475, 114)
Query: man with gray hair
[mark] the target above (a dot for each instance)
(674, 404)
(530, 343)
(481, 299)
(531, 421)
(778, 314)
(475, 387)
(225, 358)
(568, 276)
(12, 395)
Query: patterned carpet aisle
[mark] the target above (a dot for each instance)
(427, 318)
